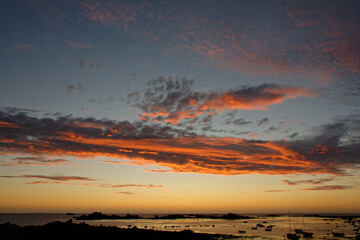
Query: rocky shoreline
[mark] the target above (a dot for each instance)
(82, 231)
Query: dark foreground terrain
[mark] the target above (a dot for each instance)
(71, 231)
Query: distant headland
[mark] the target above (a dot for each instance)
(100, 216)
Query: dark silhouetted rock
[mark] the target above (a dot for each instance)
(71, 231)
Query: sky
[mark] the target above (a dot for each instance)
(180, 106)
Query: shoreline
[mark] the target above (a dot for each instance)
(82, 231)
(100, 216)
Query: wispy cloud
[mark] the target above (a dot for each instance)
(126, 193)
(19, 46)
(78, 44)
(44, 182)
(310, 181)
(36, 161)
(8, 125)
(329, 188)
(80, 181)
(149, 186)
(274, 191)
(55, 178)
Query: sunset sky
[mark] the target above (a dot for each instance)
(180, 106)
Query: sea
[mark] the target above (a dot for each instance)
(322, 226)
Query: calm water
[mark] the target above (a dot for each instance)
(321, 227)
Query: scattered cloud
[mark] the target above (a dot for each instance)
(237, 122)
(172, 100)
(313, 42)
(84, 64)
(114, 14)
(75, 86)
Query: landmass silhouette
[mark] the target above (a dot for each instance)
(81, 231)
(99, 216)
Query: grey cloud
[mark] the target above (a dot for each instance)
(293, 135)
(126, 193)
(328, 188)
(75, 86)
(55, 178)
(84, 64)
(310, 181)
(101, 100)
(38, 161)
(237, 122)
(262, 121)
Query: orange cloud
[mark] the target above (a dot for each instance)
(214, 155)
(172, 100)
(147, 152)
(177, 151)
(87, 124)
(256, 99)
(9, 125)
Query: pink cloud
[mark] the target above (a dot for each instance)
(113, 14)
